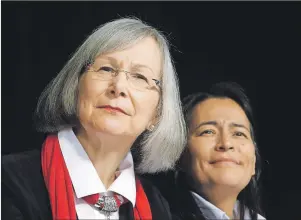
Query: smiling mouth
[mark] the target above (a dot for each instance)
(224, 161)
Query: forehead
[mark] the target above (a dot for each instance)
(145, 52)
(222, 110)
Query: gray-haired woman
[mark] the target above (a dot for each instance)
(118, 93)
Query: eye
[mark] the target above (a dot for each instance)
(207, 132)
(139, 77)
(240, 134)
(106, 69)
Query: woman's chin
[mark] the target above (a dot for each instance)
(230, 180)
(111, 129)
(113, 126)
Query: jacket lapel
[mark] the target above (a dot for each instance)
(126, 212)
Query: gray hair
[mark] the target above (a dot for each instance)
(57, 105)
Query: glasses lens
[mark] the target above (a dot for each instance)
(105, 73)
(140, 81)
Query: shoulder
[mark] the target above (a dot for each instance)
(21, 163)
(21, 159)
(21, 169)
(24, 190)
(10, 159)
(22, 173)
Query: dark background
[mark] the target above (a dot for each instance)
(256, 44)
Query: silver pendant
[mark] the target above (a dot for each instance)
(107, 204)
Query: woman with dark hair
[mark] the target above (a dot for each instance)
(220, 168)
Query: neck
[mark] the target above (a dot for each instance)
(221, 197)
(105, 152)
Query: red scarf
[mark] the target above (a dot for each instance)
(60, 189)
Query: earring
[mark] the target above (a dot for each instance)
(151, 127)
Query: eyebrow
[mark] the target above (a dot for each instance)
(215, 123)
(142, 66)
(206, 123)
(115, 62)
(239, 126)
(110, 59)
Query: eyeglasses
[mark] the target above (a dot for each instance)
(139, 81)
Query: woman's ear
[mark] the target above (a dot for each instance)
(151, 127)
(153, 122)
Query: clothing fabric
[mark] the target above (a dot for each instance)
(25, 196)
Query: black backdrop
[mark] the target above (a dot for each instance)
(256, 44)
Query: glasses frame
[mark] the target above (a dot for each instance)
(89, 68)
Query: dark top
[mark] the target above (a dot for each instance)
(24, 193)
(181, 202)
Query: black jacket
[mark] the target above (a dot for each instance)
(182, 204)
(25, 197)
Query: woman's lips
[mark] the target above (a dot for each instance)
(112, 109)
(224, 160)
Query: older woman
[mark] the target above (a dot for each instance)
(117, 92)
(221, 164)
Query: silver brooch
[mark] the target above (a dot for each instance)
(108, 204)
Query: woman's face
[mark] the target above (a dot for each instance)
(114, 106)
(221, 149)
